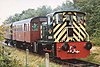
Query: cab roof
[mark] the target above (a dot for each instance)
(69, 11)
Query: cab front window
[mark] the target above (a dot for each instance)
(80, 18)
(58, 18)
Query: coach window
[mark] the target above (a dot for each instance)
(35, 27)
(17, 28)
(26, 27)
(14, 28)
(21, 28)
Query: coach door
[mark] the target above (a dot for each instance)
(35, 31)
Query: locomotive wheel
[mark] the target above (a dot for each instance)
(31, 48)
(6, 42)
(17, 45)
(24, 45)
(11, 43)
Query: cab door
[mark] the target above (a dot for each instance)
(44, 30)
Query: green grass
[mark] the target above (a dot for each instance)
(96, 41)
(34, 60)
(94, 55)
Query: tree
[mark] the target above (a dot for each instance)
(41, 11)
(92, 8)
(69, 6)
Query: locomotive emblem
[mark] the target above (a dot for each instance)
(35, 27)
(72, 50)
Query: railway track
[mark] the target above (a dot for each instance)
(75, 63)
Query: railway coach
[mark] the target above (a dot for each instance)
(62, 34)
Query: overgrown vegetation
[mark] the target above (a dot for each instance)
(1, 33)
(6, 60)
(17, 58)
(94, 55)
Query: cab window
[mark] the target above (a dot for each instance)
(80, 18)
(58, 18)
(69, 19)
(50, 20)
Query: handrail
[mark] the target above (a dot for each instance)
(87, 36)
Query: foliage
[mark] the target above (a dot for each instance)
(43, 11)
(6, 60)
(91, 58)
(1, 33)
(67, 6)
(94, 55)
(96, 41)
(92, 8)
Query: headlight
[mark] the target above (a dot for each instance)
(88, 46)
(65, 47)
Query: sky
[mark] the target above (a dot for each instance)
(10, 7)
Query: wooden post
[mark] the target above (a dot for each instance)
(27, 52)
(47, 59)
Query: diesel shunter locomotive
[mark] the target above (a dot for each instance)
(62, 34)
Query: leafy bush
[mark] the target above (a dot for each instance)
(96, 41)
(6, 61)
